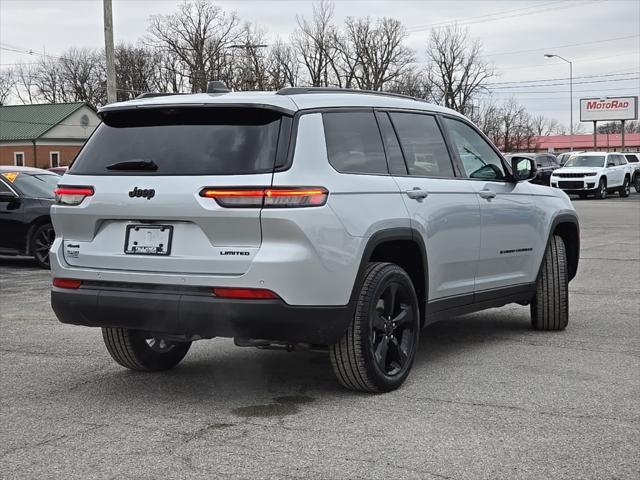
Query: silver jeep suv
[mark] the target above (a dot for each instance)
(303, 218)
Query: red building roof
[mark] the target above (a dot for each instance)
(585, 142)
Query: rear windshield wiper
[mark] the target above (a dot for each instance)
(133, 165)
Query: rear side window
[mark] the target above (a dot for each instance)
(424, 149)
(353, 142)
(183, 141)
(632, 158)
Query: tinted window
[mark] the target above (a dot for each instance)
(542, 161)
(424, 149)
(184, 141)
(585, 161)
(392, 147)
(632, 158)
(353, 142)
(36, 186)
(4, 188)
(478, 158)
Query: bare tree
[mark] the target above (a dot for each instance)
(544, 126)
(249, 61)
(411, 82)
(7, 85)
(197, 34)
(456, 69)
(283, 66)
(24, 87)
(314, 42)
(135, 70)
(83, 76)
(47, 80)
(374, 53)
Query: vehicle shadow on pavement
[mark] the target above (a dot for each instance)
(19, 263)
(233, 376)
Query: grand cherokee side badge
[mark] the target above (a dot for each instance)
(147, 193)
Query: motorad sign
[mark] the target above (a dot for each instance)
(610, 108)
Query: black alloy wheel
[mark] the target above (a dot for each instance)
(41, 240)
(376, 352)
(393, 329)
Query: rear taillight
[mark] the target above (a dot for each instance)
(69, 195)
(244, 293)
(67, 283)
(272, 197)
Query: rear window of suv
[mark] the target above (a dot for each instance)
(183, 141)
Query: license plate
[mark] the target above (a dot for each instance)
(148, 239)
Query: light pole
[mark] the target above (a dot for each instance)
(551, 55)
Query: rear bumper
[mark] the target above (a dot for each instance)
(197, 314)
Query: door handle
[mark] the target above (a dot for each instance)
(488, 194)
(417, 193)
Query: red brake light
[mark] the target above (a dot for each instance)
(70, 195)
(66, 283)
(246, 293)
(273, 197)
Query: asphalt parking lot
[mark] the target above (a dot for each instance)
(487, 398)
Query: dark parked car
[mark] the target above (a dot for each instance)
(26, 195)
(545, 162)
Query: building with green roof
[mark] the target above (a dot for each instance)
(44, 135)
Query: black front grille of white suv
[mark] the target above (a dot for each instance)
(570, 175)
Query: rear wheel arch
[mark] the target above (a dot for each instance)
(403, 247)
(567, 228)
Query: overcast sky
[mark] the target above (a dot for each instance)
(601, 37)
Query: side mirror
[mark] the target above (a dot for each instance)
(8, 197)
(523, 168)
(610, 164)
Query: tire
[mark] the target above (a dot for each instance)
(550, 305)
(376, 354)
(134, 350)
(625, 189)
(40, 242)
(601, 192)
(636, 182)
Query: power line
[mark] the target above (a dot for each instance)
(614, 39)
(565, 78)
(566, 83)
(501, 17)
(467, 19)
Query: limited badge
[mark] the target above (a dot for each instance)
(72, 250)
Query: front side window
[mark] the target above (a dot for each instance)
(425, 151)
(478, 158)
(353, 142)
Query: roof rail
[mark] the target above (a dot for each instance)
(303, 90)
(156, 94)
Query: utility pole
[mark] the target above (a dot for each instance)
(109, 53)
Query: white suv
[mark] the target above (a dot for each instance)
(303, 218)
(594, 173)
